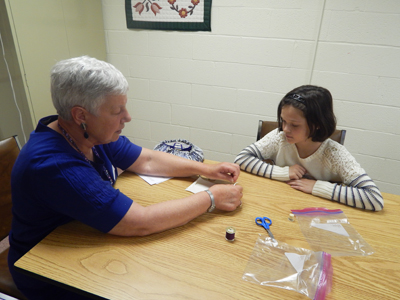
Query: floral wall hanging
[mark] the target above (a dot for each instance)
(189, 15)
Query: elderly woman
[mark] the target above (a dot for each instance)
(67, 169)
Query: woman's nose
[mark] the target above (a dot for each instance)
(127, 117)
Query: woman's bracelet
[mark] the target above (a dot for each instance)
(212, 207)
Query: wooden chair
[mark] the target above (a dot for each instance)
(9, 150)
(266, 126)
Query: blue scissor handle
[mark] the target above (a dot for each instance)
(264, 222)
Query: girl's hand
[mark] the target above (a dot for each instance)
(304, 185)
(296, 172)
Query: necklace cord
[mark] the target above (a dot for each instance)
(65, 133)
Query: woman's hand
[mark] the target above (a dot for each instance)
(223, 171)
(296, 172)
(304, 185)
(227, 196)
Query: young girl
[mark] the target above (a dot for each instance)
(304, 155)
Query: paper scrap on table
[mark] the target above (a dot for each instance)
(296, 260)
(336, 228)
(153, 179)
(200, 185)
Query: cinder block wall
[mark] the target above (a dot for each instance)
(212, 87)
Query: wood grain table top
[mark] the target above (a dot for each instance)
(195, 261)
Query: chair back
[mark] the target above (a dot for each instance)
(266, 126)
(9, 150)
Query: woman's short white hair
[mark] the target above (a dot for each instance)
(84, 81)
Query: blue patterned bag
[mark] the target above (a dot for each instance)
(182, 148)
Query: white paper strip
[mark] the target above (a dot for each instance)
(336, 228)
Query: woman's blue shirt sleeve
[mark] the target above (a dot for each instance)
(79, 192)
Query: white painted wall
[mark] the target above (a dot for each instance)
(34, 36)
(212, 87)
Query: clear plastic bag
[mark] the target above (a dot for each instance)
(330, 231)
(280, 265)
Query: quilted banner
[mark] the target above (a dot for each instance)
(188, 15)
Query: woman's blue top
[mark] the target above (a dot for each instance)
(52, 184)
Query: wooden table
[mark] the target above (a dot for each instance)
(196, 262)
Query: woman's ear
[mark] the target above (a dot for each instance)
(78, 114)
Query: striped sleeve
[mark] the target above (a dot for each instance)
(361, 193)
(251, 160)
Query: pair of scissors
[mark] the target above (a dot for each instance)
(266, 223)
